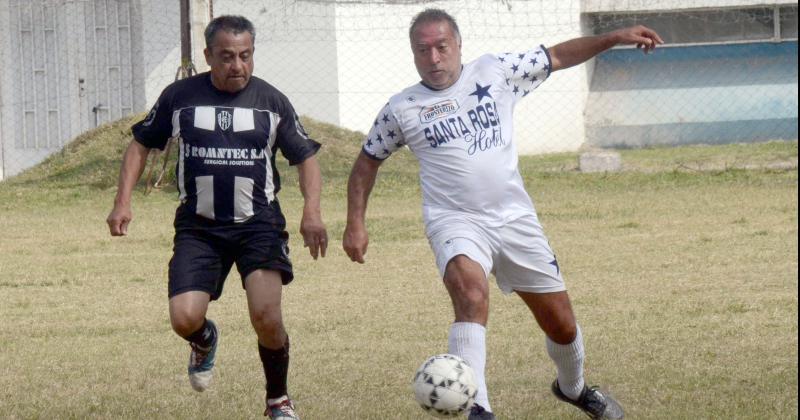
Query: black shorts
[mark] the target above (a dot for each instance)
(204, 251)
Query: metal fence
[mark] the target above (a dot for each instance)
(728, 71)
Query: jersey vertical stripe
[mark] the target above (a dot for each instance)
(181, 172)
(204, 189)
(242, 199)
(269, 187)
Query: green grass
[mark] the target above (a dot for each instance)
(682, 270)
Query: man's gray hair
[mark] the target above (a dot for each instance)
(228, 23)
(434, 15)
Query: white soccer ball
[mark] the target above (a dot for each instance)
(445, 386)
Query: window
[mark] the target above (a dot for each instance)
(731, 25)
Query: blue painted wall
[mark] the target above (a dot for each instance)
(693, 95)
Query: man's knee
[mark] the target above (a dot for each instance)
(472, 293)
(466, 283)
(267, 321)
(563, 332)
(187, 311)
(185, 321)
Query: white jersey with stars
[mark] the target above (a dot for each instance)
(462, 137)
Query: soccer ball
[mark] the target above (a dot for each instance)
(445, 386)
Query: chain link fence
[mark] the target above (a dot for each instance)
(728, 72)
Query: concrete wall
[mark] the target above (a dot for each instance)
(295, 51)
(592, 6)
(689, 95)
(159, 52)
(4, 80)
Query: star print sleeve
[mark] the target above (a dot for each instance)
(384, 137)
(524, 72)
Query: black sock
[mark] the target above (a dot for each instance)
(276, 368)
(203, 337)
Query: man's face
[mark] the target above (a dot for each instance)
(437, 54)
(230, 57)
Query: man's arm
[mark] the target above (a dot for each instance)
(315, 236)
(359, 186)
(578, 50)
(133, 162)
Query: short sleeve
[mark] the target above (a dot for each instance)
(292, 139)
(385, 136)
(156, 128)
(525, 71)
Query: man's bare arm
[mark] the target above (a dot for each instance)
(315, 235)
(578, 50)
(362, 178)
(133, 163)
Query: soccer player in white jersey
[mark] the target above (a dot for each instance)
(230, 126)
(478, 217)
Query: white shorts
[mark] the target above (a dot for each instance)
(517, 253)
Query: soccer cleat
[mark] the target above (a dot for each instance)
(283, 410)
(479, 413)
(201, 363)
(594, 403)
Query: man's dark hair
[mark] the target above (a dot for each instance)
(434, 15)
(228, 23)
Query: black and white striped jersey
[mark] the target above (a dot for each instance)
(226, 167)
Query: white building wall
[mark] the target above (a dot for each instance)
(373, 67)
(295, 51)
(4, 80)
(339, 61)
(159, 46)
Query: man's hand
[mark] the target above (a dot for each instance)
(315, 236)
(118, 220)
(133, 163)
(355, 241)
(644, 37)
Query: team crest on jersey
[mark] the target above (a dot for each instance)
(224, 119)
(438, 110)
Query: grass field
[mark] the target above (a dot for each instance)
(682, 270)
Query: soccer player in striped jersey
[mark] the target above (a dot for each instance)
(229, 127)
(478, 217)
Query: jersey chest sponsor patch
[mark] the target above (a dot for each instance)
(438, 110)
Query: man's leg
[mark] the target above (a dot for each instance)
(469, 291)
(187, 314)
(264, 288)
(554, 314)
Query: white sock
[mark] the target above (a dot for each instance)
(569, 363)
(467, 340)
